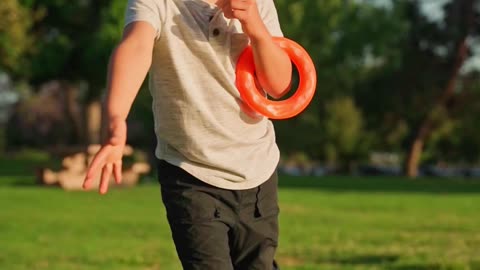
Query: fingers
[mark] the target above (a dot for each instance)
(117, 172)
(227, 10)
(106, 175)
(98, 162)
(239, 5)
(239, 9)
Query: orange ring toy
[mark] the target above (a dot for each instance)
(277, 109)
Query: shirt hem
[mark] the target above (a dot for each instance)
(220, 182)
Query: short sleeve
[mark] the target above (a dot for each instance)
(269, 15)
(146, 11)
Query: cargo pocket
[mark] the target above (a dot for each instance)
(186, 199)
(267, 199)
(265, 223)
(188, 206)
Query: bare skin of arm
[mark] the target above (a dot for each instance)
(123, 84)
(272, 64)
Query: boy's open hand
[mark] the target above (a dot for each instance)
(246, 12)
(109, 159)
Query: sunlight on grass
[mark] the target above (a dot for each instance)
(326, 223)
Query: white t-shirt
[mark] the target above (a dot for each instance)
(199, 123)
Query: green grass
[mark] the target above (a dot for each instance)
(326, 223)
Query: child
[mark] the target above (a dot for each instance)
(217, 163)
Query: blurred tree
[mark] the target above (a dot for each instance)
(14, 36)
(349, 42)
(458, 140)
(344, 134)
(459, 24)
(413, 97)
(73, 43)
(388, 69)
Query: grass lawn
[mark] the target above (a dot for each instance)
(326, 223)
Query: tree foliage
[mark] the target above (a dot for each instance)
(350, 43)
(14, 36)
(383, 70)
(75, 39)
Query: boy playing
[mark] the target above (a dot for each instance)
(217, 163)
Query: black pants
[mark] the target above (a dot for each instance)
(219, 229)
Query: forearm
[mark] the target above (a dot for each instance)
(273, 66)
(128, 68)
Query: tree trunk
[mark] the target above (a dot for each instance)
(427, 125)
(416, 149)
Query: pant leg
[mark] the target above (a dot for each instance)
(200, 234)
(256, 234)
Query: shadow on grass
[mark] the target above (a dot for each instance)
(425, 266)
(368, 259)
(391, 262)
(382, 184)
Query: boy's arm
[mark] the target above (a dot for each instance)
(272, 64)
(128, 67)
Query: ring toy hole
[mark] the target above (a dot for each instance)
(277, 109)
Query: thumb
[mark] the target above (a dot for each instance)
(223, 3)
(226, 8)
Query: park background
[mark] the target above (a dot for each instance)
(382, 171)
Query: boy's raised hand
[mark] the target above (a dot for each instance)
(246, 11)
(108, 160)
